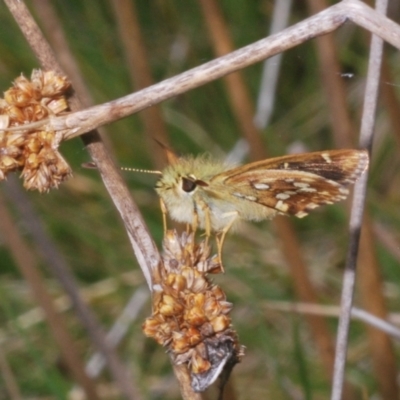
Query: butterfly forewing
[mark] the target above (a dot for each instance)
(295, 184)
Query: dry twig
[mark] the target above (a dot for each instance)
(368, 122)
(79, 122)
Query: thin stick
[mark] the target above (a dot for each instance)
(144, 247)
(142, 243)
(139, 71)
(29, 270)
(325, 22)
(238, 95)
(53, 29)
(10, 383)
(387, 239)
(343, 132)
(271, 67)
(120, 328)
(334, 311)
(59, 268)
(182, 374)
(357, 209)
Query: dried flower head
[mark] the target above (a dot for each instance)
(190, 313)
(33, 152)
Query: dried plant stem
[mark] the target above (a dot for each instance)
(391, 102)
(29, 270)
(135, 53)
(139, 69)
(388, 240)
(119, 329)
(271, 67)
(334, 311)
(305, 290)
(325, 22)
(344, 133)
(370, 278)
(141, 241)
(239, 96)
(183, 376)
(356, 217)
(52, 27)
(9, 380)
(371, 289)
(59, 268)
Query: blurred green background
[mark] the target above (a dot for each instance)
(281, 361)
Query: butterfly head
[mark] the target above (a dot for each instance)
(183, 185)
(187, 175)
(173, 183)
(177, 191)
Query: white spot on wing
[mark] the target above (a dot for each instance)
(308, 190)
(301, 184)
(261, 186)
(281, 206)
(250, 198)
(282, 196)
(311, 206)
(306, 179)
(243, 196)
(326, 157)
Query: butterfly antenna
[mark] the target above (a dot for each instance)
(172, 158)
(144, 171)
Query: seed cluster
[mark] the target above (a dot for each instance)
(190, 313)
(33, 151)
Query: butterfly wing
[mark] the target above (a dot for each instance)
(294, 184)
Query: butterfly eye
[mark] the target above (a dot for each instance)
(188, 185)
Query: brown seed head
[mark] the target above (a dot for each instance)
(190, 312)
(33, 152)
(199, 364)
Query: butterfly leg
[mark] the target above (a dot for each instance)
(195, 224)
(221, 237)
(195, 221)
(207, 219)
(164, 215)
